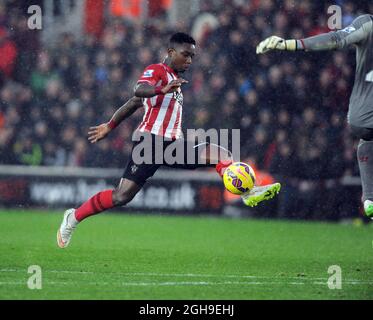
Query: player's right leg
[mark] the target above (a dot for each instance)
(258, 193)
(261, 193)
(368, 208)
(100, 202)
(365, 160)
(212, 155)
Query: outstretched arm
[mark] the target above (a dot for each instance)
(97, 133)
(355, 33)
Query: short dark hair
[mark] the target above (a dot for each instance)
(180, 38)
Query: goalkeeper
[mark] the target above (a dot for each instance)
(360, 113)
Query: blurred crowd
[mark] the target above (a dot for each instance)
(291, 107)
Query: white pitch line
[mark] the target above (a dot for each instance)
(164, 274)
(13, 283)
(199, 283)
(53, 271)
(176, 283)
(186, 275)
(155, 284)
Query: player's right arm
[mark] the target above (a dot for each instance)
(355, 33)
(149, 85)
(99, 132)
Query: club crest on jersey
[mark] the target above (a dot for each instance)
(148, 74)
(349, 29)
(178, 96)
(134, 169)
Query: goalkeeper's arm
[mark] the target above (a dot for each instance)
(356, 32)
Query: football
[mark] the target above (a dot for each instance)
(239, 178)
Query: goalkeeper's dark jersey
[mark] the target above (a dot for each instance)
(359, 33)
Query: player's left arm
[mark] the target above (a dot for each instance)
(149, 84)
(99, 132)
(355, 33)
(145, 90)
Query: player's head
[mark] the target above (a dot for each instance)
(181, 50)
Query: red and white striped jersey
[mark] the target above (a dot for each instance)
(163, 112)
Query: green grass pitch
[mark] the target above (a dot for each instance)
(120, 256)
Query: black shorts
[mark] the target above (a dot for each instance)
(362, 133)
(140, 171)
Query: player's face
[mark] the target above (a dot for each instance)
(181, 56)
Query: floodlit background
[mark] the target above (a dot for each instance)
(291, 109)
(83, 63)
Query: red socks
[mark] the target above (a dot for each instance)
(104, 199)
(222, 165)
(98, 203)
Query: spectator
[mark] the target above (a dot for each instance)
(291, 110)
(8, 54)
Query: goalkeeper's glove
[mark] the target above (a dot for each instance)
(276, 43)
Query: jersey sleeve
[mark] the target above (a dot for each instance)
(151, 75)
(358, 31)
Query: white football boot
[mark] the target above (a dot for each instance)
(259, 194)
(66, 229)
(368, 208)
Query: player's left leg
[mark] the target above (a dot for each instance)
(365, 159)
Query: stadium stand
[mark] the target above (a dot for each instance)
(289, 108)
